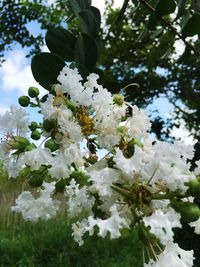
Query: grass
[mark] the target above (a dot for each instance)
(50, 244)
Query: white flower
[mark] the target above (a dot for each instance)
(79, 200)
(72, 129)
(173, 256)
(73, 154)
(79, 229)
(102, 99)
(161, 224)
(102, 181)
(43, 207)
(92, 81)
(60, 167)
(197, 169)
(138, 125)
(112, 225)
(196, 225)
(132, 165)
(37, 157)
(13, 166)
(14, 121)
(69, 78)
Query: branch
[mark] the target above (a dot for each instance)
(152, 9)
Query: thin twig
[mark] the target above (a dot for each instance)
(167, 23)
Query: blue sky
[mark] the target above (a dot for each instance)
(16, 78)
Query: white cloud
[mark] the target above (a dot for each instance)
(16, 73)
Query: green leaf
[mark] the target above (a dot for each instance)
(78, 5)
(86, 51)
(88, 22)
(165, 7)
(156, 33)
(181, 7)
(46, 68)
(192, 26)
(61, 42)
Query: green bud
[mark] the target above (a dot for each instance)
(189, 212)
(49, 124)
(130, 149)
(60, 186)
(20, 143)
(80, 176)
(35, 135)
(35, 181)
(33, 126)
(51, 144)
(30, 147)
(33, 91)
(71, 106)
(118, 99)
(24, 101)
(194, 187)
(44, 98)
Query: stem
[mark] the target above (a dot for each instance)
(167, 23)
(169, 195)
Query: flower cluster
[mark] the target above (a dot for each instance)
(96, 150)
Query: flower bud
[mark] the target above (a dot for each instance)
(51, 144)
(130, 149)
(33, 92)
(24, 101)
(194, 187)
(30, 147)
(60, 186)
(80, 176)
(35, 181)
(189, 212)
(33, 126)
(35, 135)
(118, 99)
(49, 124)
(20, 143)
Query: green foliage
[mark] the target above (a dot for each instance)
(46, 68)
(81, 50)
(192, 26)
(86, 51)
(165, 7)
(61, 42)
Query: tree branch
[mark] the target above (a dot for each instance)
(152, 9)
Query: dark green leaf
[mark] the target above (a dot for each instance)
(156, 33)
(181, 8)
(192, 27)
(97, 15)
(184, 18)
(61, 42)
(46, 68)
(88, 22)
(86, 51)
(99, 72)
(78, 5)
(165, 7)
